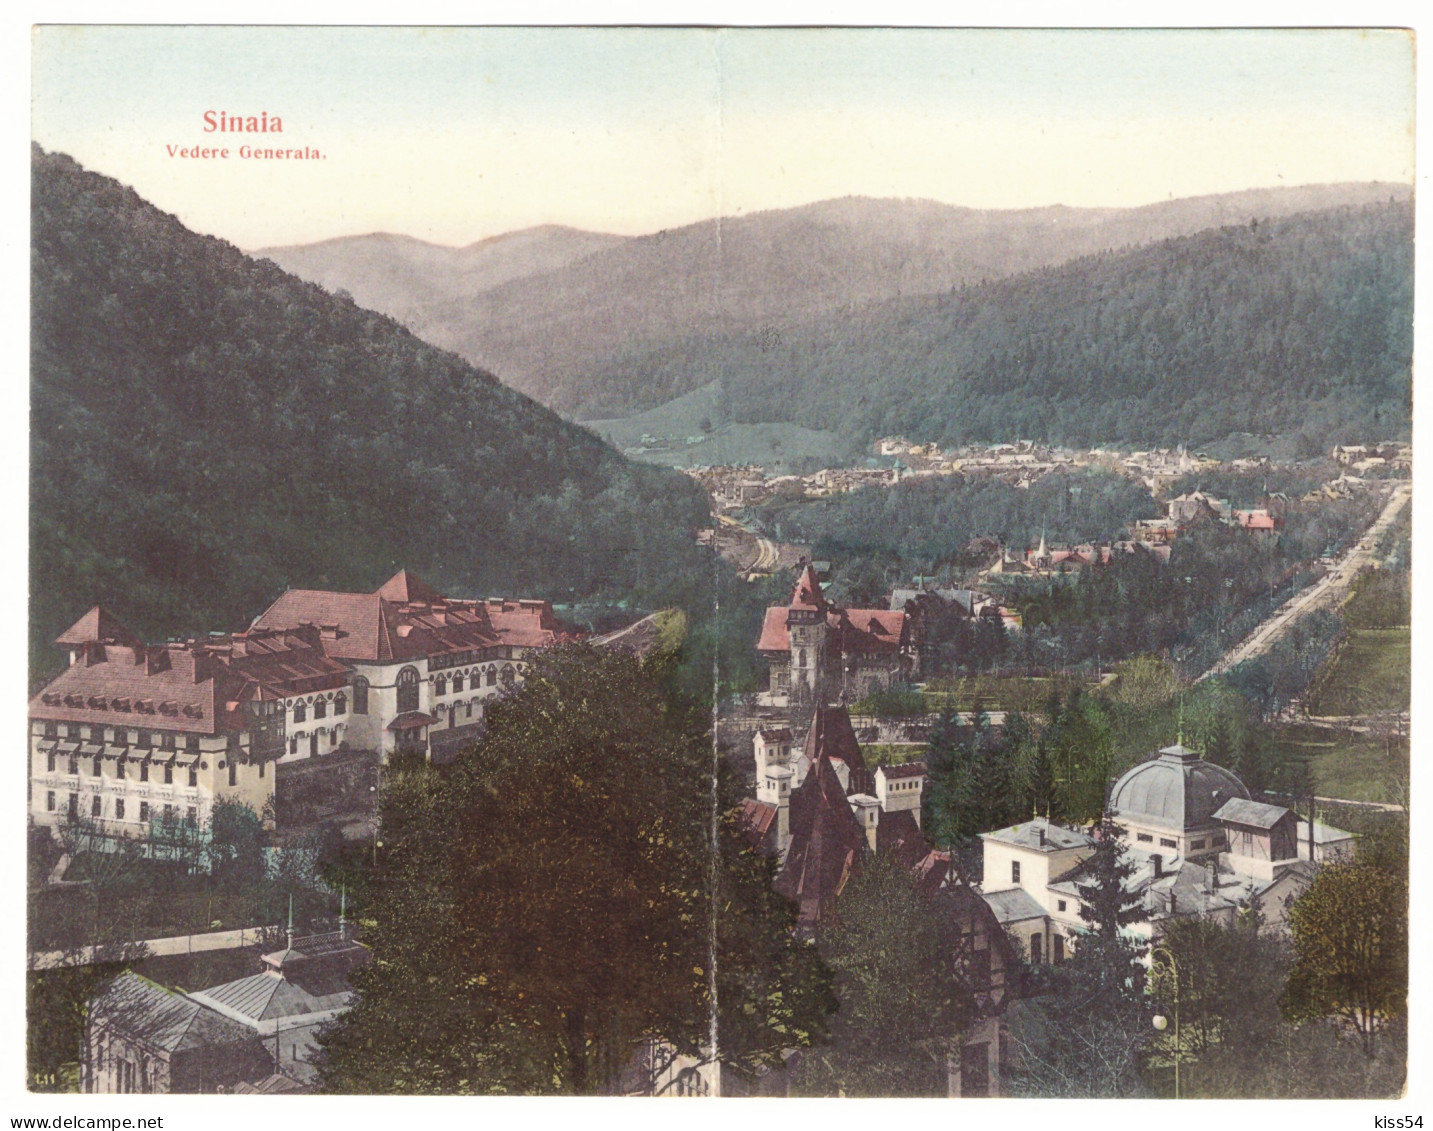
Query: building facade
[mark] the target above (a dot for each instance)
(1199, 845)
(132, 737)
(819, 652)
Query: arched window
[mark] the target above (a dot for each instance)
(492, 676)
(300, 712)
(320, 708)
(360, 696)
(508, 675)
(440, 685)
(407, 690)
(457, 683)
(340, 704)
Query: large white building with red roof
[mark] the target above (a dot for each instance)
(130, 734)
(818, 651)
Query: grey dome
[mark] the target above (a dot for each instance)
(1178, 791)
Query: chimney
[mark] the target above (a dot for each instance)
(1158, 859)
(1040, 832)
(868, 815)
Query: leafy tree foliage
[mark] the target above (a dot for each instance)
(1350, 932)
(1230, 979)
(904, 1007)
(551, 905)
(235, 844)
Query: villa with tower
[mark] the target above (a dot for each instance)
(818, 651)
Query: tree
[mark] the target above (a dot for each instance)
(1106, 903)
(235, 847)
(552, 904)
(1084, 1033)
(1350, 932)
(1230, 979)
(904, 1006)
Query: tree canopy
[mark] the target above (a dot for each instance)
(552, 905)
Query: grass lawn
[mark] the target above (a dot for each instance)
(1358, 767)
(892, 753)
(998, 693)
(1370, 673)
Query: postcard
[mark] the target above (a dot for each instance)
(718, 562)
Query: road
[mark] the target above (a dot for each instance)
(153, 948)
(767, 552)
(1333, 586)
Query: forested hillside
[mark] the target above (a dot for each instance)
(207, 430)
(577, 333)
(1302, 324)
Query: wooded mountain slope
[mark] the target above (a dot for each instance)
(566, 335)
(1298, 325)
(207, 430)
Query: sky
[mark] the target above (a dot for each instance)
(456, 134)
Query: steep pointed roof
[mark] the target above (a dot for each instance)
(832, 736)
(97, 625)
(826, 843)
(808, 593)
(404, 587)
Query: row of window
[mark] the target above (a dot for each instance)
(191, 813)
(1057, 948)
(120, 769)
(320, 707)
(440, 683)
(312, 746)
(1164, 841)
(144, 739)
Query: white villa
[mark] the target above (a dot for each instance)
(1199, 843)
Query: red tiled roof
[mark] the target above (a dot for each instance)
(97, 625)
(363, 620)
(808, 594)
(404, 587)
(931, 871)
(371, 626)
(774, 635)
(867, 630)
(755, 819)
(196, 686)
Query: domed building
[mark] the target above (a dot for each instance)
(1168, 803)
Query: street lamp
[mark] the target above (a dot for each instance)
(1159, 1021)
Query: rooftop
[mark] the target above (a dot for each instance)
(1042, 835)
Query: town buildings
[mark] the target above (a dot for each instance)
(822, 812)
(323, 686)
(253, 1034)
(1200, 845)
(818, 651)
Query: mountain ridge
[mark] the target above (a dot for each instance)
(207, 430)
(545, 330)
